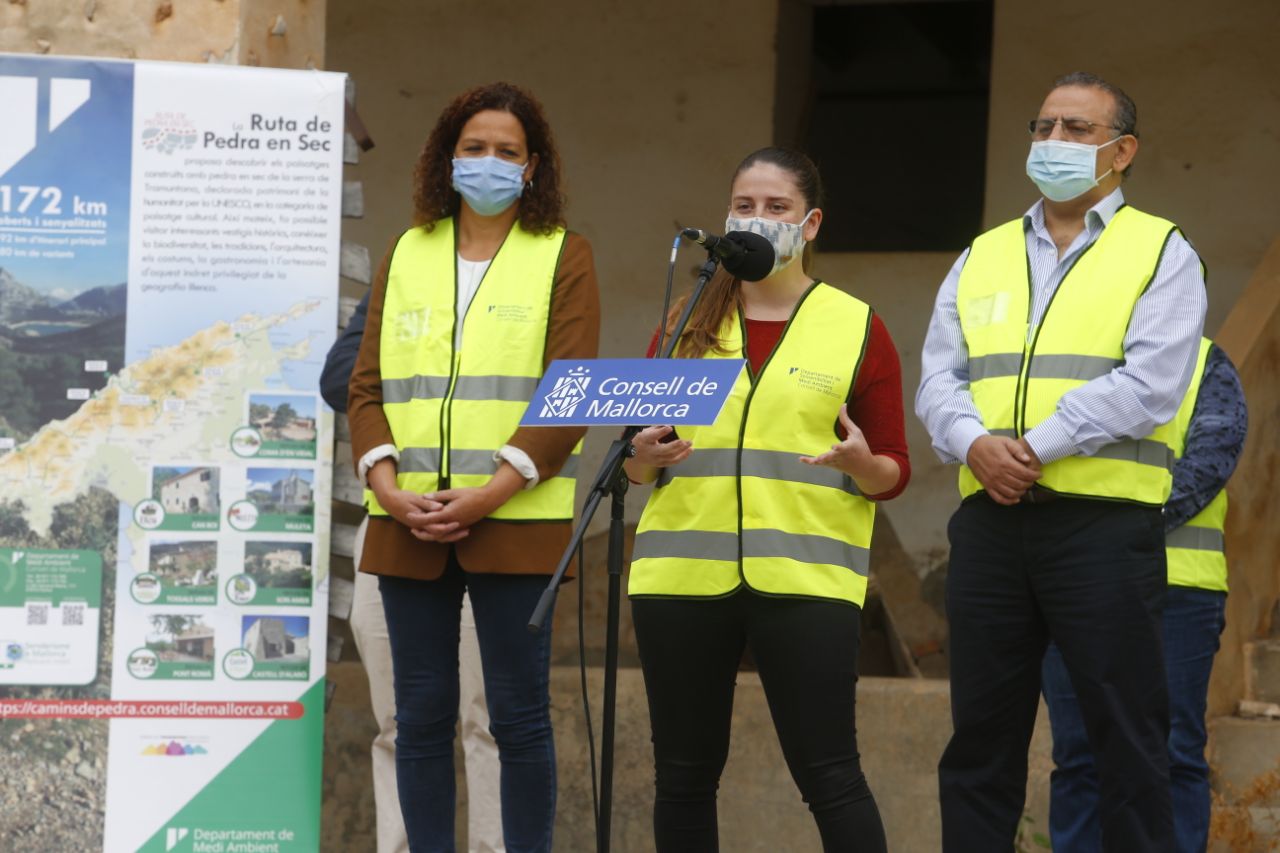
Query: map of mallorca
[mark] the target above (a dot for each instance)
(181, 402)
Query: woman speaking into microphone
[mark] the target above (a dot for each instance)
(471, 305)
(758, 532)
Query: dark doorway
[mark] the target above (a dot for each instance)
(891, 100)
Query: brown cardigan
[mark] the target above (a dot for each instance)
(573, 331)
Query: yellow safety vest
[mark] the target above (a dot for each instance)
(1195, 550)
(743, 509)
(450, 410)
(1017, 374)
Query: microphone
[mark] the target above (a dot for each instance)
(748, 256)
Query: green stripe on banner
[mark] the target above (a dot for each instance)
(271, 791)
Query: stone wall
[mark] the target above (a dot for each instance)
(275, 33)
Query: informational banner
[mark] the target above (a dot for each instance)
(626, 391)
(168, 290)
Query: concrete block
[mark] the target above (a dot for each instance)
(1244, 761)
(354, 262)
(335, 643)
(1262, 671)
(342, 540)
(341, 594)
(346, 308)
(1242, 752)
(350, 150)
(1267, 710)
(353, 199)
(346, 487)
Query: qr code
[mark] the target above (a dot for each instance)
(72, 614)
(37, 614)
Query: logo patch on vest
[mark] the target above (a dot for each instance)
(813, 380)
(511, 313)
(569, 391)
(987, 310)
(412, 324)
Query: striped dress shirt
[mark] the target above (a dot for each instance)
(1160, 349)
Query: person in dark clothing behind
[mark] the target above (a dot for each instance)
(1213, 421)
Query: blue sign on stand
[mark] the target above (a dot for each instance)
(626, 391)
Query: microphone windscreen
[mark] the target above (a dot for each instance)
(756, 260)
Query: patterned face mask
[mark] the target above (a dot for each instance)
(787, 238)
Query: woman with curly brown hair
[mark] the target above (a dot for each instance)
(470, 305)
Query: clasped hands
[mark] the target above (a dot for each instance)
(443, 516)
(1006, 467)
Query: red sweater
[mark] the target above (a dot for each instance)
(875, 402)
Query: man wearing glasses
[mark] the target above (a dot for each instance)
(1060, 347)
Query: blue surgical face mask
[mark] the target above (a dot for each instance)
(787, 238)
(488, 184)
(1064, 170)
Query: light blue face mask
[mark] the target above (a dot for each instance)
(488, 184)
(1064, 170)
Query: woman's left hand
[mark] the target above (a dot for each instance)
(852, 456)
(462, 508)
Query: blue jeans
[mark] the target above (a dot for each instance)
(422, 620)
(1193, 619)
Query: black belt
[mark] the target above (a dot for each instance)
(1038, 494)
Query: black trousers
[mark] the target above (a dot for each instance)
(1091, 575)
(806, 652)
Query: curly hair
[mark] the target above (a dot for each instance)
(434, 198)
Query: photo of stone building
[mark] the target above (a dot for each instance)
(279, 564)
(185, 563)
(277, 638)
(177, 637)
(186, 491)
(282, 491)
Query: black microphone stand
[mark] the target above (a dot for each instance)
(612, 480)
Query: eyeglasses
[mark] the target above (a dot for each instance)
(1076, 128)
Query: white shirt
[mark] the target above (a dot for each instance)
(470, 274)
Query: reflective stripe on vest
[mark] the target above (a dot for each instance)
(1195, 550)
(743, 508)
(451, 410)
(1018, 373)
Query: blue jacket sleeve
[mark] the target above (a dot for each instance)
(1215, 439)
(341, 359)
